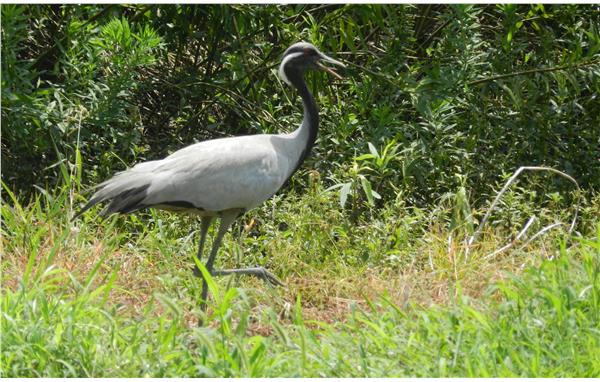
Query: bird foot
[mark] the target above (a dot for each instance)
(259, 272)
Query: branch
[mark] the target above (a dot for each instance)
(530, 71)
(373, 73)
(508, 183)
(432, 35)
(512, 243)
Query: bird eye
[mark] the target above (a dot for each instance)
(309, 52)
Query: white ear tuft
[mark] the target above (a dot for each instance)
(287, 59)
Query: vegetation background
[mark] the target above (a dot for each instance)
(439, 105)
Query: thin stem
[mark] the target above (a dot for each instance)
(244, 59)
(531, 71)
(509, 182)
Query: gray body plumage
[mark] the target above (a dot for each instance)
(207, 177)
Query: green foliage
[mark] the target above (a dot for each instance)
(467, 92)
(83, 102)
(59, 321)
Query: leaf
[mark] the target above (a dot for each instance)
(372, 149)
(366, 185)
(335, 187)
(365, 156)
(344, 192)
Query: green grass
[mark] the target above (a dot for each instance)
(384, 295)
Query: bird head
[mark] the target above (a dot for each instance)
(303, 56)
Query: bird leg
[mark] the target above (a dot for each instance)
(226, 220)
(204, 225)
(259, 272)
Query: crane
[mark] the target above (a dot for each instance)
(223, 178)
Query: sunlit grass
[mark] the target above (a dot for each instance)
(388, 294)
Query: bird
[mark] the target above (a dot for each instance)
(223, 178)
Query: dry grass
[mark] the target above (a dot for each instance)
(325, 296)
(328, 288)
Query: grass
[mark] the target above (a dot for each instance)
(387, 293)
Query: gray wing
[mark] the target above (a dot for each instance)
(215, 175)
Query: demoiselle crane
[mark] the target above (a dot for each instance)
(223, 177)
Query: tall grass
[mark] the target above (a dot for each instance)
(117, 299)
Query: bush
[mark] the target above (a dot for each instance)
(468, 92)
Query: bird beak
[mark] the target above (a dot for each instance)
(325, 58)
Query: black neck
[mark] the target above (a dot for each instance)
(311, 113)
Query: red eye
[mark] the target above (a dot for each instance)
(309, 52)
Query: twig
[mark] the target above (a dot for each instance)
(516, 239)
(530, 71)
(422, 17)
(304, 10)
(244, 59)
(527, 225)
(262, 67)
(380, 75)
(433, 34)
(538, 234)
(510, 181)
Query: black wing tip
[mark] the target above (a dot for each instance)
(125, 202)
(89, 205)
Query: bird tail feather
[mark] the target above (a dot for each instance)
(124, 192)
